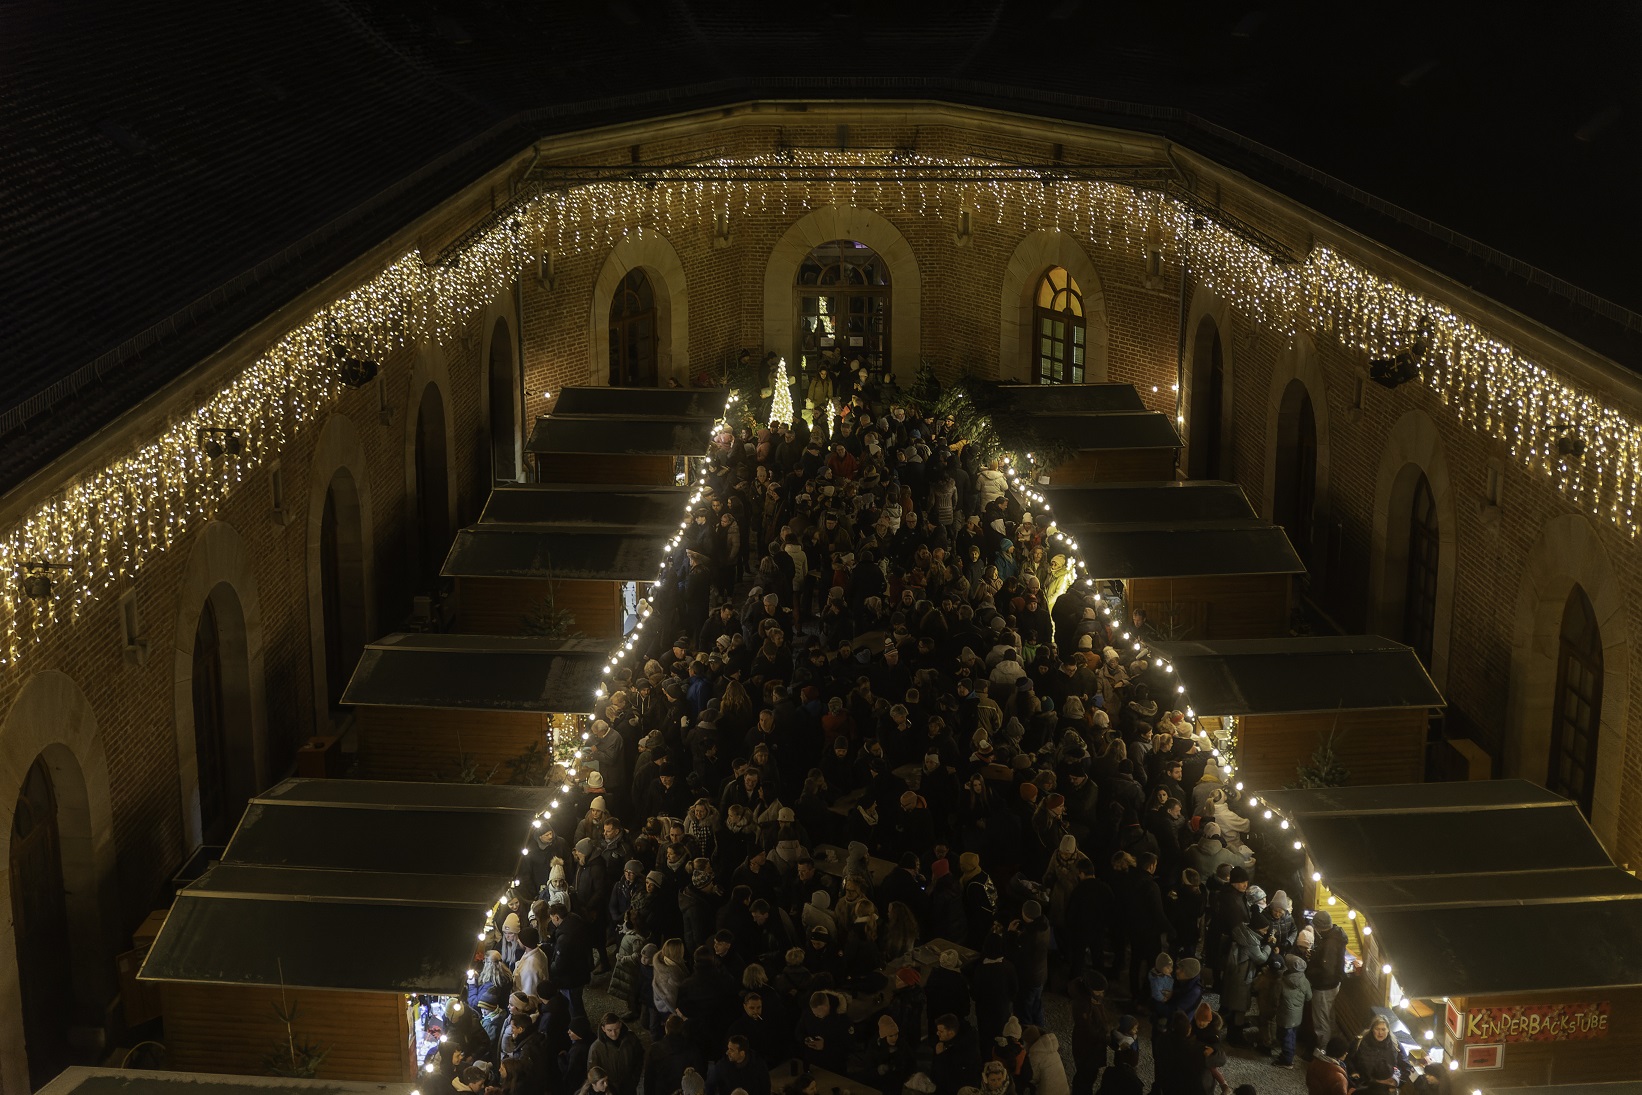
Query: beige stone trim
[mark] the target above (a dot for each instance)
(338, 457)
(652, 253)
(1208, 305)
(1033, 256)
(1298, 364)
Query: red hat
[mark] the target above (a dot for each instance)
(1029, 791)
(1056, 800)
(908, 975)
(939, 869)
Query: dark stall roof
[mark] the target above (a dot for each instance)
(1304, 673)
(1160, 503)
(80, 1080)
(1618, 1087)
(313, 869)
(1097, 432)
(476, 673)
(1072, 398)
(1484, 950)
(553, 504)
(601, 435)
(1397, 798)
(705, 403)
(1507, 888)
(530, 551)
(1231, 547)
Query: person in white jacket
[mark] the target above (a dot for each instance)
(989, 484)
(1043, 1057)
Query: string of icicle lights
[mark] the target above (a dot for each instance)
(106, 526)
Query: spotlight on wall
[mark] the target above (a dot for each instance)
(1569, 443)
(37, 578)
(358, 372)
(1400, 368)
(216, 440)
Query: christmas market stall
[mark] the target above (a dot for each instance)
(82, 1080)
(653, 450)
(1114, 447)
(1158, 503)
(342, 915)
(1195, 579)
(594, 505)
(705, 403)
(1100, 398)
(470, 707)
(1483, 919)
(513, 579)
(1359, 705)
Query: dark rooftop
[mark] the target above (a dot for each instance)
(1179, 549)
(594, 506)
(170, 175)
(1159, 503)
(1302, 674)
(475, 673)
(607, 435)
(536, 551)
(80, 1080)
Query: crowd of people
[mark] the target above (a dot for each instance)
(885, 772)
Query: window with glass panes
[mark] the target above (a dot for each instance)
(843, 298)
(633, 333)
(1420, 590)
(1576, 711)
(1060, 330)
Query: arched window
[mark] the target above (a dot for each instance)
(633, 333)
(341, 583)
(1420, 590)
(432, 487)
(1295, 497)
(504, 429)
(210, 729)
(843, 297)
(1061, 331)
(1576, 712)
(1208, 406)
(39, 913)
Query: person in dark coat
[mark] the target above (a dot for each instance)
(956, 1061)
(1090, 1034)
(572, 963)
(1144, 921)
(824, 1032)
(1028, 946)
(995, 986)
(532, 1067)
(573, 1061)
(740, 1067)
(946, 990)
(669, 1055)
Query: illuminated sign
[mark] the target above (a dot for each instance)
(1537, 1023)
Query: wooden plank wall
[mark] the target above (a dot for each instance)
(1216, 606)
(232, 1028)
(497, 606)
(1115, 466)
(1375, 747)
(1592, 1060)
(420, 743)
(624, 469)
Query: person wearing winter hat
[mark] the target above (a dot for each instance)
(1325, 969)
(892, 1058)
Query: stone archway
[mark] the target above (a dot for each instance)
(1297, 371)
(430, 435)
(218, 574)
(1205, 419)
(846, 222)
(1412, 448)
(651, 253)
(1037, 252)
(1569, 552)
(338, 472)
(501, 395)
(51, 720)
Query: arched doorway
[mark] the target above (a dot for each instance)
(1294, 501)
(1576, 709)
(341, 583)
(1060, 329)
(504, 418)
(1208, 408)
(1420, 578)
(842, 301)
(39, 912)
(224, 753)
(633, 332)
(432, 488)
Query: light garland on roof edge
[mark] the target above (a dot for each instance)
(105, 527)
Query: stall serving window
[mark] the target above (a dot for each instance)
(843, 299)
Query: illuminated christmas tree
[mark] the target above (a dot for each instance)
(781, 395)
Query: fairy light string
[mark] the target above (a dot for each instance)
(106, 526)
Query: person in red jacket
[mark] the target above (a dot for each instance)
(1326, 1073)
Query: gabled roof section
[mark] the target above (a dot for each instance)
(1305, 673)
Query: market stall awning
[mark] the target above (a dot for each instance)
(591, 505)
(80, 1080)
(478, 673)
(1300, 674)
(1102, 398)
(532, 551)
(1091, 432)
(705, 403)
(360, 885)
(1162, 503)
(1182, 550)
(1474, 888)
(606, 435)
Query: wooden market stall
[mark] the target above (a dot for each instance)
(1111, 447)
(81, 1080)
(705, 403)
(466, 706)
(504, 574)
(336, 901)
(1159, 503)
(617, 449)
(1196, 579)
(1102, 398)
(1487, 921)
(595, 505)
(1283, 698)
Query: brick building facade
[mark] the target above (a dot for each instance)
(369, 489)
